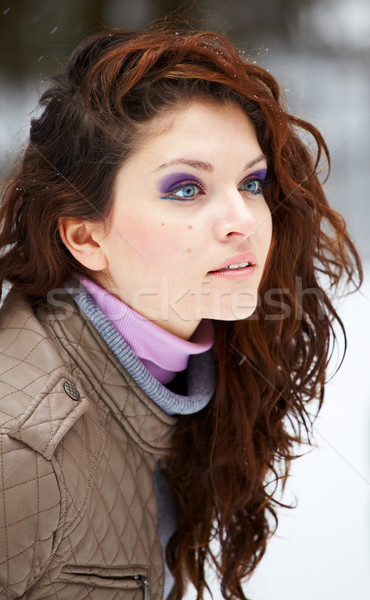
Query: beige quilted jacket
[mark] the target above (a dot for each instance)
(79, 441)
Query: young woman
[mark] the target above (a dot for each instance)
(172, 259)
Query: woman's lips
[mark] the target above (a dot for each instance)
(236, 267)
(235, 273)
(239, 259)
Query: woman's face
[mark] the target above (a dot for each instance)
(190, 229)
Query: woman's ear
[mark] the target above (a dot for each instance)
(81, 239)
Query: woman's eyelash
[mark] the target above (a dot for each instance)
(189, 191)
(262, 180)
(247, 185)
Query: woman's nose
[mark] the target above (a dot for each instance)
(236, 217)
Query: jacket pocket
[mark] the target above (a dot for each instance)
(120, 578)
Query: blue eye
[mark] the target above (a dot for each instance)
(186, 191)
(253, 186)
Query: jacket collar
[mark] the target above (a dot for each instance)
(104, 377)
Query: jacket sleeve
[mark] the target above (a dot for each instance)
(29, 516)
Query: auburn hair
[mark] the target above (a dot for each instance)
(227, 460)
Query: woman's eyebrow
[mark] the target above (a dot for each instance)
(196, 164)
(204, 166)
(256, 160)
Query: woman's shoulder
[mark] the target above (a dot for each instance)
(39, 391)
(24, 341)
(41, 399)
(26, 371)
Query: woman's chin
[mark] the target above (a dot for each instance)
(235, 307)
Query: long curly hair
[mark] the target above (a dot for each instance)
(270, 366)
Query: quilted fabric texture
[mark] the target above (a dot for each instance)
(79, 442)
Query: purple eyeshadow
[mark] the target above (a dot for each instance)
(169, 181)
(260, 174)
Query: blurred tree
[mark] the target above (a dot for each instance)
(35, 34)
(172, 7)
(256, 21)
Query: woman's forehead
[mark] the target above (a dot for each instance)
(187, 124)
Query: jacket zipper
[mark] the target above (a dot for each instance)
(144, 584)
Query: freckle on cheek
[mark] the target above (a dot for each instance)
(162, 223)
(189, 250)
